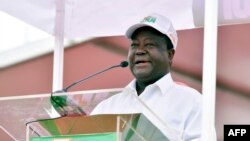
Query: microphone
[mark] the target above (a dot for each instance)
(123, 64)
(62, 102)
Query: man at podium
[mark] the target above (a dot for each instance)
(153, 92)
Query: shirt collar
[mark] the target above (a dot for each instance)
(163, 84)
(131, 85)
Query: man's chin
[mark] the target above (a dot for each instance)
(142, 76)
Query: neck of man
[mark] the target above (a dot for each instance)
(141, 85)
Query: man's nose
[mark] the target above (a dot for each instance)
(140, 50)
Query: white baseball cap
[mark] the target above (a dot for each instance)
(158, 22)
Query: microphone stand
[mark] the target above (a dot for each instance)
(59, 102)
(92, 75)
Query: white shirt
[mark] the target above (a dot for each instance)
(178, 106)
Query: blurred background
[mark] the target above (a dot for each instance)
(26, 55)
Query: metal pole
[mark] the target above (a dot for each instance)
(209, 70)
(59, 48)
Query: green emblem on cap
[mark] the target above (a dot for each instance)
(149, 19)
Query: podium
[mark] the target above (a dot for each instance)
(37, 118)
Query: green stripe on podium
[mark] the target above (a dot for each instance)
(87, 137)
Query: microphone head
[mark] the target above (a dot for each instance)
(124, 64)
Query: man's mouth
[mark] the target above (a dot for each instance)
(138, 62)
(141, 63)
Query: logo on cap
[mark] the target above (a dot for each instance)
(149, 19)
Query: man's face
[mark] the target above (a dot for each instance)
(149, 58)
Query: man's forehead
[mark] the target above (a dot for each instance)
(148, 39)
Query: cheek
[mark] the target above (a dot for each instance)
(130, 56)
(130, 59)
(163, 61)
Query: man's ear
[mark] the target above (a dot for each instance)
(171, 53)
